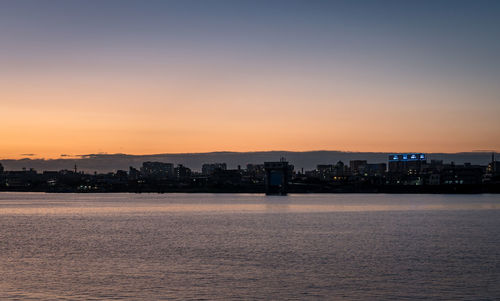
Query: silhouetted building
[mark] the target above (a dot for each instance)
(1, 168)
(256, 170)
(339, 169)
(325, 171)
(277, 177)
(51, 177)
(121, 174)
(227, 177)
(182, 172)
(376, 169)
(357, 166)
(434, 179)
(21, 179)
(254, 173)
(210, 168)
(411, 163)
(133, 173)
(436, 166)
(462, 174)
(494, 166)
(157, 169)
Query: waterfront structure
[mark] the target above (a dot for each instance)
(277, 177)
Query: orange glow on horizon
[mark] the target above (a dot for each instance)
(85, 112)
(45, 125)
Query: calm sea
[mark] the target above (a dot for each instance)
(237, 246)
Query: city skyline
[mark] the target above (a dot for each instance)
(86, 77)
(408, 172)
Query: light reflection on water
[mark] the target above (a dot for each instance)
(34, 203)
(244, 246)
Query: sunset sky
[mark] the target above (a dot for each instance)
(145, 77)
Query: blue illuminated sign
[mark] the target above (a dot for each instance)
(407, 157)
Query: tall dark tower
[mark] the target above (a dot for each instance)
(277, 177)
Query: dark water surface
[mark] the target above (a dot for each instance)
(236, 246)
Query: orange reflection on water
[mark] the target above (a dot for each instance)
(107, 208)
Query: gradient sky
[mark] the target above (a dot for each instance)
(142, 77)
